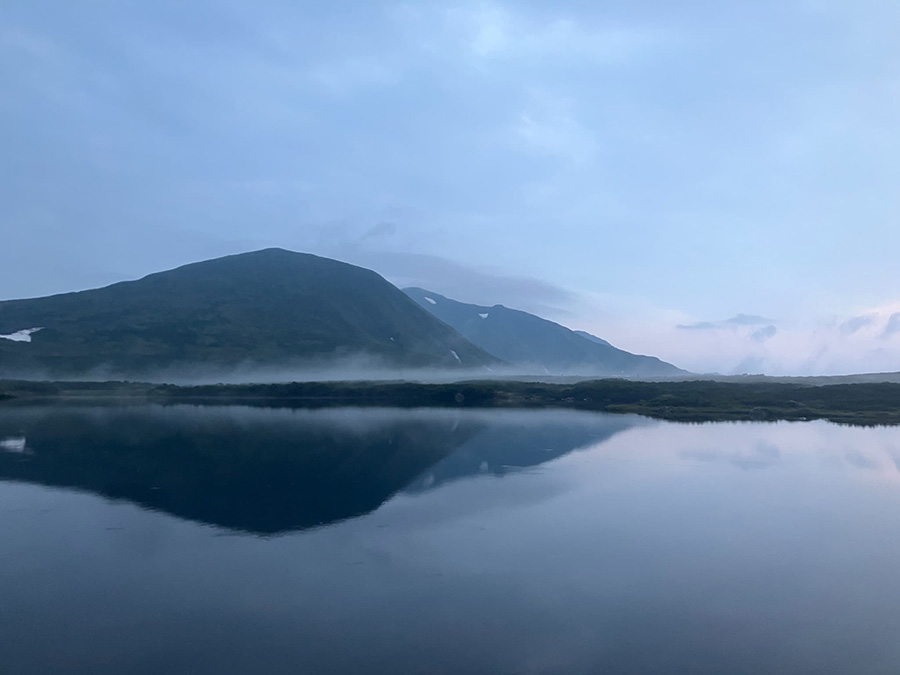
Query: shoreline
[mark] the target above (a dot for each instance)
(863, 404)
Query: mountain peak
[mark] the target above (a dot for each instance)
(267, 307)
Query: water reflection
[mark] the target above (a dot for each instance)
(642, 547)
(14, 445)
(762, 455)
(269, 471)
(513, 441)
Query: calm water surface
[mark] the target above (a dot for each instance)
(241, 540)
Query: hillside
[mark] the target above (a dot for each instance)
(529, 341)
(270, 307)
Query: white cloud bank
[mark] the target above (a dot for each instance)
(864, 342)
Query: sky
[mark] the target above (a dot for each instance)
(714, 183)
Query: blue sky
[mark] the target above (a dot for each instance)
(647, 170)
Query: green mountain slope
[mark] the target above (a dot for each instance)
(527, 340)
(270, 307)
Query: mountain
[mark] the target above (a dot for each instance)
(270, 307)
(527, 340)
(592, 338)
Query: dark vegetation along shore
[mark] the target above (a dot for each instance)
(692, 401)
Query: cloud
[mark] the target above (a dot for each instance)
(860, 460)
(380, 230)
(857, 323)
(865, 341)
(893, 325)
(701, 325)
(466, 283)
(761, 456)
(489, 28)
(497, 31)
(747, 320)
(737, 321)
(549, 126)
(764, 334)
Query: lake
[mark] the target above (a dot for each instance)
(182, 539)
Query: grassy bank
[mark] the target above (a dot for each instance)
(698, 401)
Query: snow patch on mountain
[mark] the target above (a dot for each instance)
(21, 336)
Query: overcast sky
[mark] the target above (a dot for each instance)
(711, 182)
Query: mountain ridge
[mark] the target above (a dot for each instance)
(271, 306)
(527, 340)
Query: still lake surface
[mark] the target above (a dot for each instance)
(240, 540)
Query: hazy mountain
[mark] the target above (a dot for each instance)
(524, 339)
(592, 338)
(267, 307)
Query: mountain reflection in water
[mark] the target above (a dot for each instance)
(270, 471)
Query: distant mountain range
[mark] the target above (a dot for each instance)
(528, 341)
(269, 307)
(279, 309)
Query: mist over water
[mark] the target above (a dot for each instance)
(358, 368)
(235, 539)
